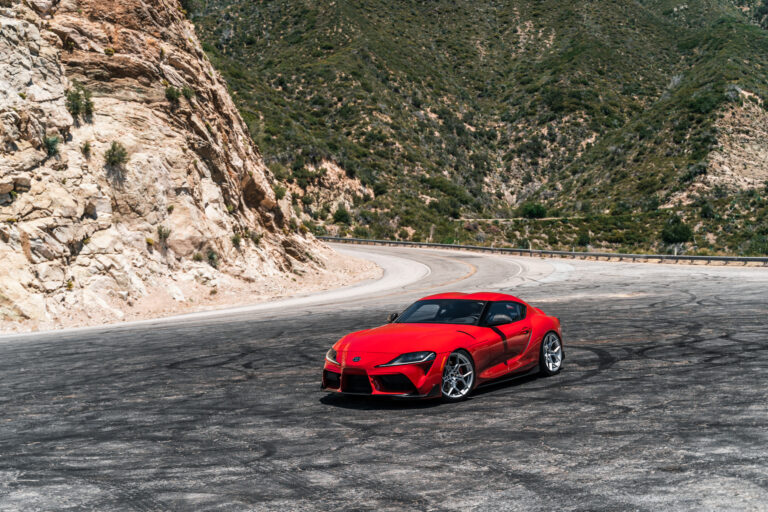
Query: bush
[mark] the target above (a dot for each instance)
(79, 102)
(676, 232)
(172, 94)
(197, 257)
(86, 149)
(188, 92)
(109, 52)
(533, 211)
(163, 233)
(279, 192)
(51, 145)
(583, 239)
(74, 102)
(116, 155)
(213, 258)
(236, 239)
(694, 171)
(341, 216)
(255, 237)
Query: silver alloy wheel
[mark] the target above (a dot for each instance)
(458, 376)
(553, 352)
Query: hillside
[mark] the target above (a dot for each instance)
(126, 173)
(614, 124)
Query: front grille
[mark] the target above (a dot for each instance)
(356, 383)
(396, 383)
(332, 379)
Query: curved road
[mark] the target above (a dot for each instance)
(662, 403)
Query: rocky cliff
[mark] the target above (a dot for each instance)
(124, 165)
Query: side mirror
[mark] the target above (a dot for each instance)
(392, 317)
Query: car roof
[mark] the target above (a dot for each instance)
(487, 296)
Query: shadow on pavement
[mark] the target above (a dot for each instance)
(368, 403)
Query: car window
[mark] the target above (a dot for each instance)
(500, 313)
(443, 311)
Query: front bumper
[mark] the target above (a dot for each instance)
(406, 381)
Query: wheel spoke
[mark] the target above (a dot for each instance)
(458, 376)
(553, 354)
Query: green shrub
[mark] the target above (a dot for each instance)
(116, 155)
(197, 257)
(188, 92)
(279, 192)
(583, 239)
(341, 216)
(172, 94)
(74, 102)
(533, 211)
(213, 258)
(676, 232)
(255, 237)
(163, 233)
(79, 102)
(694, 171)
(236, 240)
(51, 145)
(109, 52)
(85, 149)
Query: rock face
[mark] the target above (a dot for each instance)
(741, 158)
(328, 191)
(77, 229)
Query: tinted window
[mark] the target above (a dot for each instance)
(443, 311)
(500, 313)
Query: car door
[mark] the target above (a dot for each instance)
(509, 321)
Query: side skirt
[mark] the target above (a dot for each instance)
(533, 371)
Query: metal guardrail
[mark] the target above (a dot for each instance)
(562, 254)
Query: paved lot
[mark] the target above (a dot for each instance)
(662, 404)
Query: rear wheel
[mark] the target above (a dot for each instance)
(458, 376)
(551, 354)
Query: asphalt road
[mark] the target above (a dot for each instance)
(662, 403)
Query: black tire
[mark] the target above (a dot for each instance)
(547, 354)
(459, 377)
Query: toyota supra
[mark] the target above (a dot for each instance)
(445, 346)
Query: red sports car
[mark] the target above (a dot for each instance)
(445, 346)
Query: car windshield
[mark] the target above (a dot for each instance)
(443, 311)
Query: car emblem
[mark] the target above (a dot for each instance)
(355, 359)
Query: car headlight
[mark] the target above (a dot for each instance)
(330, 356)
(411, 358)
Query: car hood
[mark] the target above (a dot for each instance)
(401, 338)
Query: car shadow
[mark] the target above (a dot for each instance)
(368, 403)
(511, 382)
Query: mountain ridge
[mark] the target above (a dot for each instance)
(452, 110)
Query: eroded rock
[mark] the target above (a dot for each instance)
(78, 231)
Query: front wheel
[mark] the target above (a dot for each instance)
(551, 354)
(458, 376)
